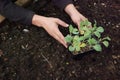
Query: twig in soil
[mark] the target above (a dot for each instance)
(47, 60)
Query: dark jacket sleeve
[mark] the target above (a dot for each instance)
(15, 13)
(62, 3)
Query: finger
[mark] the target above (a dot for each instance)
(77, 22)
(62, 23)
(59, 39)
(60, 35)
(83, 18)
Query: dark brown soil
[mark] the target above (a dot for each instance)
(29, 53)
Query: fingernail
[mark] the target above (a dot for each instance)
(67, 25)
(65, 46)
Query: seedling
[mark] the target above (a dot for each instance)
(85, 38)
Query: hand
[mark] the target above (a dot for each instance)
(51, 26)
(77, 18)
(74, 14)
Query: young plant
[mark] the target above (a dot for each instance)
(86, 38)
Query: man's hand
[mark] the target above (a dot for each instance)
(51, 26)
(74, 14)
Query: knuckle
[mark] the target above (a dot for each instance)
(58, 33)
(56, 19)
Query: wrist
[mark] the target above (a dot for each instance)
(37, 20)
(71, 10)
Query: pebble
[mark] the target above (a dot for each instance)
(25, 30)
(10, 38)
(94, 4)
(67, 63)
(103, 4)
(90, 69)
(117, 26)
(115, 62)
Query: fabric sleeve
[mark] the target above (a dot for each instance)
(15, 13)
(62, 3)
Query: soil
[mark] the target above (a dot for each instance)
(29, 53)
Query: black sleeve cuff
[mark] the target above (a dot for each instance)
(16, 13)
(62, 3)
(28, 18)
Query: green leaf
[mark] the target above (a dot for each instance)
(68, 38)
(71, 29)
(85, 28)
(75, 31)
(108, 38)
(71, 48)
(86, 37)
(94, 27)
(87, 23)
(81, 38)
(87, 33)
(95, 24)
(77, 48)
(106, 43)
(76, 37)
(82, 45)
(97, 47)
(100, 29)
(82, 25)
(92, 41)
(97, 34)
(75, 42)
(82, 32)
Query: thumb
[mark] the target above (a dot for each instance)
(62, 23)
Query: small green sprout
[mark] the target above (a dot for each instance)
(86, 37)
